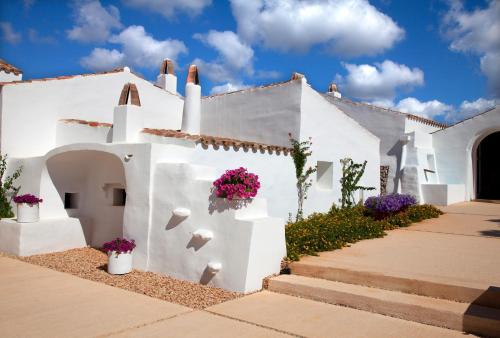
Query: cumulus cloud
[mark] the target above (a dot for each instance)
(168, 8)
(8, 33)
(138, 48)
(380, 81)
(477, 32)
(428, 109)
(345, 27)
(228, 87)
(93, 22)
(471, 108)
(103, 59)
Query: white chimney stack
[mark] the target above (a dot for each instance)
(167, 80)
(333, 90)
(191, 116)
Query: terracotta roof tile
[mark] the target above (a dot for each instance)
(64, 77)
(8, 68)
(87, 123)
(217, 141)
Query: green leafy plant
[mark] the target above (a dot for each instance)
(300, 152)
(351, 174)
(7, 188)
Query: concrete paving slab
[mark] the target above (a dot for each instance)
(201, 324)
(473, 208)
(38, 302)
(308, 318)
(435, 256)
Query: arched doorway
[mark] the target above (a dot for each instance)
(488, 168)
(91, 185)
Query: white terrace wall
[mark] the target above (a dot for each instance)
(335, 136)
(264, 115)
(456, 146)
(388, 126)
(30, 110)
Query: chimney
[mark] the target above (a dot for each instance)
(333, 90)
(298, 76)
(127, 115)
(166, 79)
(191, 115)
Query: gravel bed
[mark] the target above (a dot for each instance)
(91, 264)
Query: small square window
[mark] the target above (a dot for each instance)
(71, 200)
(119, 197)
(324, 175)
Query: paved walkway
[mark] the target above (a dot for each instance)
(459, 248)
(38, 302)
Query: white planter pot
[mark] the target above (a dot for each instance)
(119, 264)
(27, 213)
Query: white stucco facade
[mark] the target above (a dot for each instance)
(113, 155)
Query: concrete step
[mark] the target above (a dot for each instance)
(432, 311)
(431, 288)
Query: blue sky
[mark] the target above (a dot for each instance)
(435, 58)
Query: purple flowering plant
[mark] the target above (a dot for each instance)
(119, 245)
(28, 199)
(237, 183)
(385, 205)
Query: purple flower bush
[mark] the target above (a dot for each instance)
(120, 245)
(237, 183)
(28, 199)
(389, 204)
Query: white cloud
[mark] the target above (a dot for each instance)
(378, 82)
(228, 87)
(471, 108)
(168, 8)
(94, 23)
(103, 59)
(138, 49)
(346, 27)
(8, 33)
(478, 32)
(428, 109)
(35, 37)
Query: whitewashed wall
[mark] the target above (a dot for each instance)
(388, 126)
(90, 97)
(335, 136)
(8, 77)
(264, 115)
(456, 146)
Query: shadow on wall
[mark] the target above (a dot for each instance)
(396, 152)
(217, 204)
(482, 317)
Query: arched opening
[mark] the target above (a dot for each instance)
(488, 168)
(91, 185)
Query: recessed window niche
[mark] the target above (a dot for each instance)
(324, 175)
(71, 200)
(119, 197)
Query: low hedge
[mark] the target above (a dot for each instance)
(340, 227)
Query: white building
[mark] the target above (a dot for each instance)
(114, 155)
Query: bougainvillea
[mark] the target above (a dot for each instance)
(119, 245)
(237, 183)
(28, 199)
(389, 204)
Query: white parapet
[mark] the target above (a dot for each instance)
(44, 236)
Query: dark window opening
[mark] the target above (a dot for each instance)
(70, 200)
(119, 197)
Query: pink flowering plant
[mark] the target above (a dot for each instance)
(237, 184)
(119, 245)
(28, 199)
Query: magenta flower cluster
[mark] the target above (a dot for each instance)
(237, 183)
(389, 204)
(119, 245)
(28, 199)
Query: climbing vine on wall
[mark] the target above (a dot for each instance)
(300, 152)
(351, 174)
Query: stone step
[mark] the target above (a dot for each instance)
(431, 288)
(432, 311)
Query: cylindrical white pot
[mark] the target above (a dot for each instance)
(119, 264)
(27, 213)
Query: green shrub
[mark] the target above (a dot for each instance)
(342, 226)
